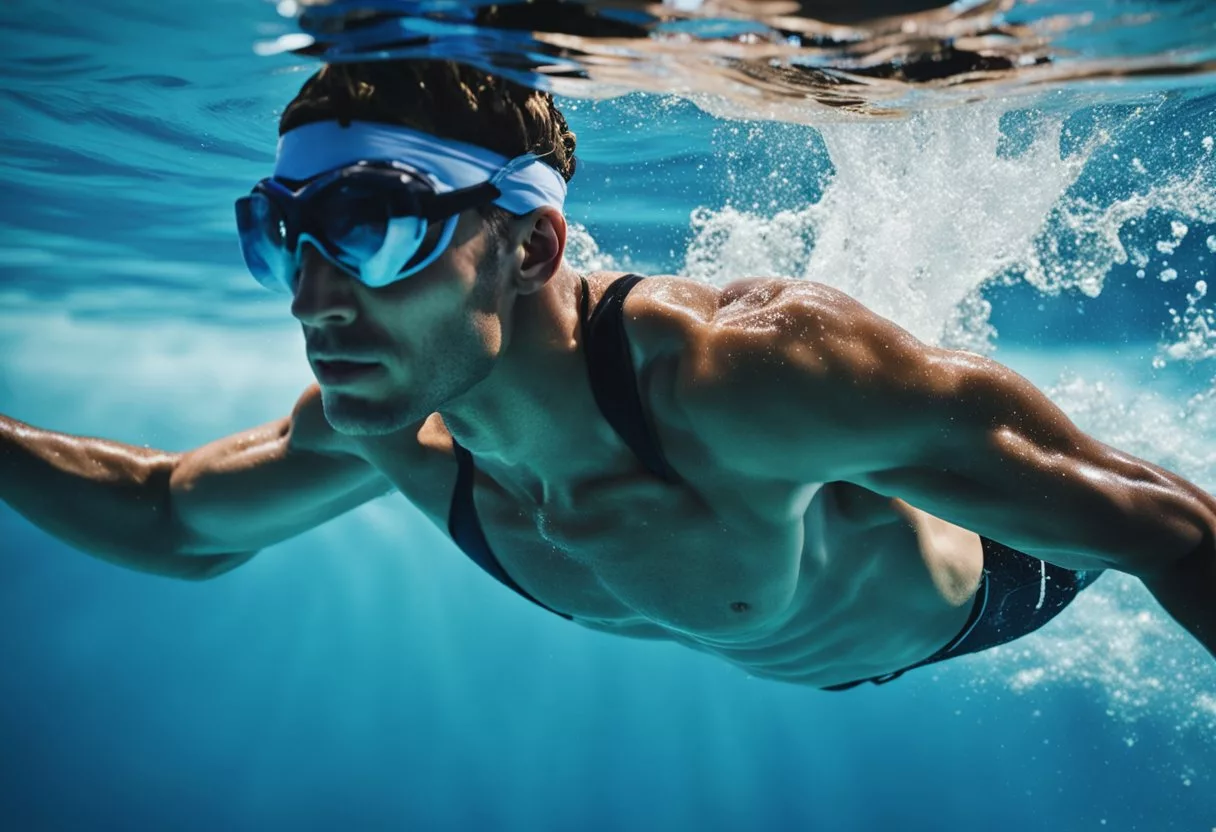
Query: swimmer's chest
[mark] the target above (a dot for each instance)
(709, 559)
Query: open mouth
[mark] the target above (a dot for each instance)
(343, 372)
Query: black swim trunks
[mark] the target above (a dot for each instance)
(1017, 595)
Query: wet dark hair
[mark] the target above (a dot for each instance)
(444, 99)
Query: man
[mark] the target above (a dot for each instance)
(768, 472)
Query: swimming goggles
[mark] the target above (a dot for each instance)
(379, 222)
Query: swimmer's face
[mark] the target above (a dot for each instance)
(387, 358)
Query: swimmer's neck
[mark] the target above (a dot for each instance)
(532, 423)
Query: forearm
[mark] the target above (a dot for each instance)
(106, 499)
(1134, 516)
(1083, 505)
(1141, 519)
(1095, 508)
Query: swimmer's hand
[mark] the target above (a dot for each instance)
(193, 515)
(1187, 590)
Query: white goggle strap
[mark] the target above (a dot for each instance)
(512, 165)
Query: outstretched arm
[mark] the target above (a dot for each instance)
(192, 515)
(839, 393)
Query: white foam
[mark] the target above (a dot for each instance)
(921, 213)
(583, 252)
(918, 215)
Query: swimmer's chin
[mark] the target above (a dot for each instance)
(352, 416)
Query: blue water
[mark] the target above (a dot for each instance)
(366, 676)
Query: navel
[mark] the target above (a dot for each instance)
(740, 606)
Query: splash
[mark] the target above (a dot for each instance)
(918, 215)
(1193, 331)
(923, 215)
(1085, 240)
(583, 252)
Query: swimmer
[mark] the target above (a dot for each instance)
(768, 472)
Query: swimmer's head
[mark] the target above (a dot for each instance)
(444, 99)
(434, 335)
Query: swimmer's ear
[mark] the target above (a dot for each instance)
(540, 249)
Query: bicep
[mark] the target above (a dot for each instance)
(252, 489)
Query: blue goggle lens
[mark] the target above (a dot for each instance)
(370, 222)
(263, 233)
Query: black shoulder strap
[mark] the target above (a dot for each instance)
(613, 380)
(466, 531)
(614, 384)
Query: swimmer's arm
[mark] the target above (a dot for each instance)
(191, 515)
(837, 392)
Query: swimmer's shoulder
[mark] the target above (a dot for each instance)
(669, 315)
(682, 331)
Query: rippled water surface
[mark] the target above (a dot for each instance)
(1057, 210)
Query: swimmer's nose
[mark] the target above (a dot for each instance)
(324, 293)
